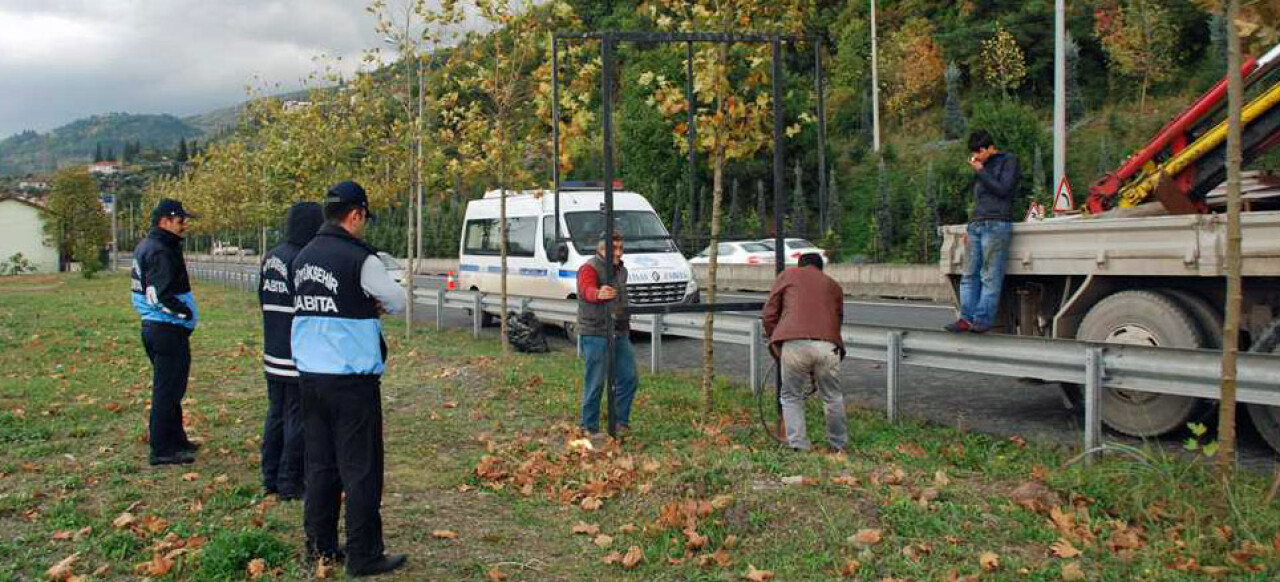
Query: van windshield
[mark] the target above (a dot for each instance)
(642, 231)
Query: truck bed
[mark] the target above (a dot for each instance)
(1157, 246)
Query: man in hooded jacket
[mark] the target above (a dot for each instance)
(282, 442)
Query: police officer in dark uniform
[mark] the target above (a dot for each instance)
(282, 446)
(161, 294)
(340, 287)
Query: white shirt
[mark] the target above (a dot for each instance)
(378, 284)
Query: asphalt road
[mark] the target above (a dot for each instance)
(992, 404)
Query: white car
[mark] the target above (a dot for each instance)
(796, 247)
(736, 253)
(393, 267)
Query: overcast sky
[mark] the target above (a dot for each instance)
(61, 60)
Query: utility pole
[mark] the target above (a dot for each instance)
(875, 84)
(1059, 96)
(115, 230)
(417, 178)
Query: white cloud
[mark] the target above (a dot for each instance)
(65, 59)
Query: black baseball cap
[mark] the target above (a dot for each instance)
(169, 207)
(351, 193)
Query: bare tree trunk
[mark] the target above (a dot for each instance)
(717, 194)
(1231, 320)
(502, 221)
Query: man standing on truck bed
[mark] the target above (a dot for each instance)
(988, 234)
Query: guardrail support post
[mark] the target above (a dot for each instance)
(477, 312)
(439, 308)
(893, 368)
(757, 333)
(1093, 374)
(655, 344)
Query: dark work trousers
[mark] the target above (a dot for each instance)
(343, 430)
(169, 349)
(282, 442)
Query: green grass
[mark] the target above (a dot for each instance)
(477, 444)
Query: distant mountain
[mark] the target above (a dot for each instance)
(77, 141)
(220, 121)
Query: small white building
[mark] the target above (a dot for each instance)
(105, 168)
(22, 231)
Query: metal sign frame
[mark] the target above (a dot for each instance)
(609, 41)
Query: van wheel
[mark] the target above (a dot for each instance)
(488, 320)
(1152, 319)
(571, 331)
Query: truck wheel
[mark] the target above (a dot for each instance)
(571, 331)
(1267, 418)
(1143, 318)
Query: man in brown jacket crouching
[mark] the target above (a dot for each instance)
(802, 319)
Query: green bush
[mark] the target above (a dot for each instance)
(227, 555)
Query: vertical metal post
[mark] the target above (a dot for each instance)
(757, 338)
(875, 84)
(655, 343)
(1059, 97)
(606, 98)
(893, 375)
(692, 122)
(823, 205)
(555, 131)
(1093, 374)
(440, 298)
(779, 248)
(477, 313)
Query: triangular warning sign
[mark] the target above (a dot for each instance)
(1062, 200)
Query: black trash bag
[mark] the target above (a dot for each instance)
(524, 332)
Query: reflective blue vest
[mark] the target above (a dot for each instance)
(160, 289)
(336, 330)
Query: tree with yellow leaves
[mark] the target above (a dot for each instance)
(1002, 63)
(732, 105)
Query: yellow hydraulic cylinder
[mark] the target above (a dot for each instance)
(1138, 191)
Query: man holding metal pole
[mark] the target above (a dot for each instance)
(802, 319)
(595, 302)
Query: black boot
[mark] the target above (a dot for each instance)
(380, 565)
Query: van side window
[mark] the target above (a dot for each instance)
(548, 235)
(483, 237)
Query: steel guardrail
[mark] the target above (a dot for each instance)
(1176, 371)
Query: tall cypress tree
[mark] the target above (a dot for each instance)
(182, 149)
(97, 152)
(761, 210)
(799, 225)
(954, 125)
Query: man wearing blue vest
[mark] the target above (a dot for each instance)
(161, 294)
(282, 431)
(340, 287)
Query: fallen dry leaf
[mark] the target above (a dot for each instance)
(629, 529)
(324, 569)
(731, 541)
(450, 404)
(940, 479)
(256, 568)
(845, 479)
(63, 570)
(989, 561)
(586, 528)
(123, 520)
(1071, 572)
(444, 534)
(867, 537)
(696, 540)
(850, 568)
(63, 535)
(1035, 497)
(157, 567)
(612, 558)
(190, 476)
(722, 501)
(633, 557)
(1063, 549)
(591, 503)
(912, 450)
(603, 541)
(755, 575)
(495, 575)
(1018, 441)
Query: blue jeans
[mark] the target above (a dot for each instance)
(987, 252)
(594, 349)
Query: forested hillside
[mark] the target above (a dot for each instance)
(104, 136)
(945, 68)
